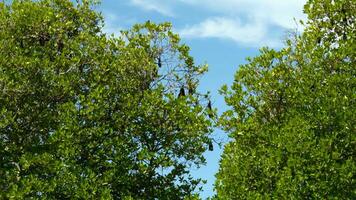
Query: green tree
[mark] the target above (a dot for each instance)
(84, 115)
(292, 114)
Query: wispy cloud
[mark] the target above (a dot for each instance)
(111, 26)
(247, 22)
(250, 34)
(279, 12)
(154, 5)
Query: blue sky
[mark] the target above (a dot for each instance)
(221, 33)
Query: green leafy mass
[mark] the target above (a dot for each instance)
(84, 115)
(292, 114)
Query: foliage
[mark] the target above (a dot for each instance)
(293, 112)
(84, 115)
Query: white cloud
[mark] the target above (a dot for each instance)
(252, 34)
(111, 26)
(248, 22)
(279, 12)
(159, 6)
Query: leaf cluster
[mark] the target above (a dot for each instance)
(292, 114)
(84, 115)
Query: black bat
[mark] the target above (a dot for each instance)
(181, 92)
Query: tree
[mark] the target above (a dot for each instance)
(292, 114)
(84, 115)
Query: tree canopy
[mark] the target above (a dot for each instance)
(292, 114)
(84, 115)
(87, 115)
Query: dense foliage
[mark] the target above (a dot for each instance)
(292, 117)
(84, 115)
